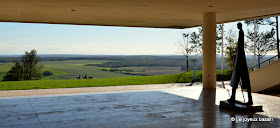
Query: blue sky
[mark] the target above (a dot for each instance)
(15, 38)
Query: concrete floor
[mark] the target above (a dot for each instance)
(175, 107)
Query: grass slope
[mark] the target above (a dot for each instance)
(73, 83)
(44, 84)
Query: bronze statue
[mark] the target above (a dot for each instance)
(240, 70)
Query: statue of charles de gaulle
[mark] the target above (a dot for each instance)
(240, 70)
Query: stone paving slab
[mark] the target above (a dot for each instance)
(189, 106)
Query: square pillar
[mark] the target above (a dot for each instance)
(209, 50)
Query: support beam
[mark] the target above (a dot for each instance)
(255, 33)
(222, 65)
(277, 37)
(209, 50)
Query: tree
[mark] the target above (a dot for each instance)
(219, 29)
(231, 55)
(268, 21)
(26, 69)
(47, 73)
(30, 63)
(15, 74)
(265, 42)
(197, 40)
(231, 47)
(231, 37)
(183, 46)
(262, 21)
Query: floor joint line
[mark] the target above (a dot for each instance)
(35, 113)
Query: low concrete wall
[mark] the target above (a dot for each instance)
(265, 77)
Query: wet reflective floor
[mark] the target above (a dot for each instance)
(189, 106)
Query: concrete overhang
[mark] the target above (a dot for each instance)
(134, 13)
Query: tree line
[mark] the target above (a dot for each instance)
(11, 59)
(266, 41)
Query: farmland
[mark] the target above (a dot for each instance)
(111, 72)
(4, 67)
(69, 69)
(64, 67)
(146, 71)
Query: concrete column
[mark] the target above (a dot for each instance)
(209, 50)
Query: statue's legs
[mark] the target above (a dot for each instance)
(250, 101)
(242, 73)
(246, 83)
(234, 84)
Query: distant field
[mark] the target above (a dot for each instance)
(69, 69)
(148, 71)
(4, 67)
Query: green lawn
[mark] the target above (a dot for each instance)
(44, 84)
(73, 83)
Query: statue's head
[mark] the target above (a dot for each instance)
(239, 25)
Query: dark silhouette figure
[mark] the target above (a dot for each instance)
(240, 70)
(85, 76)
(79, 77)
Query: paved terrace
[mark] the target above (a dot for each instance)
(169, 106)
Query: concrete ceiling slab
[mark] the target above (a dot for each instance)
(134, 13)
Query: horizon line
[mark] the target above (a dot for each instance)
(115, 54)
